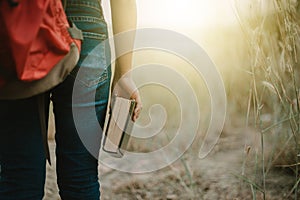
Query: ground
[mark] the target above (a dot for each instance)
(219, 176)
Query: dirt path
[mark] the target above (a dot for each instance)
(214, 177)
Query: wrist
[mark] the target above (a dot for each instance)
(124, 86)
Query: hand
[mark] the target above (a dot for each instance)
(125, 87)
(138, 107)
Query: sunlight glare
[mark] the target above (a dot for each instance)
(184, 13)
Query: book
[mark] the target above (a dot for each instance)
(118, 126)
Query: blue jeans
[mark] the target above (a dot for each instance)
(22, 156)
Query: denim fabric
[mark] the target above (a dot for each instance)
(22, 158)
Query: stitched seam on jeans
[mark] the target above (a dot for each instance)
(103, 77)
(97, 36)
(86, 19)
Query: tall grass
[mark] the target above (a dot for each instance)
(271, 29)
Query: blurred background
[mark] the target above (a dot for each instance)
(254, 45)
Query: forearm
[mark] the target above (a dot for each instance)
(124, 18)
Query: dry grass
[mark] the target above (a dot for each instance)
(273, 39)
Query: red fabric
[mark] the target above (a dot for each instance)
(35, 37)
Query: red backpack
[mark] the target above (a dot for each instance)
(39, 47)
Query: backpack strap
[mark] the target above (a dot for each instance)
(74, 32)
(43, 108)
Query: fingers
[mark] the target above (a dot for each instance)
(138, 107)
(137, 111)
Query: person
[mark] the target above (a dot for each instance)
(22, 156)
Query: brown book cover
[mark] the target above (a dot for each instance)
(118, 126)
